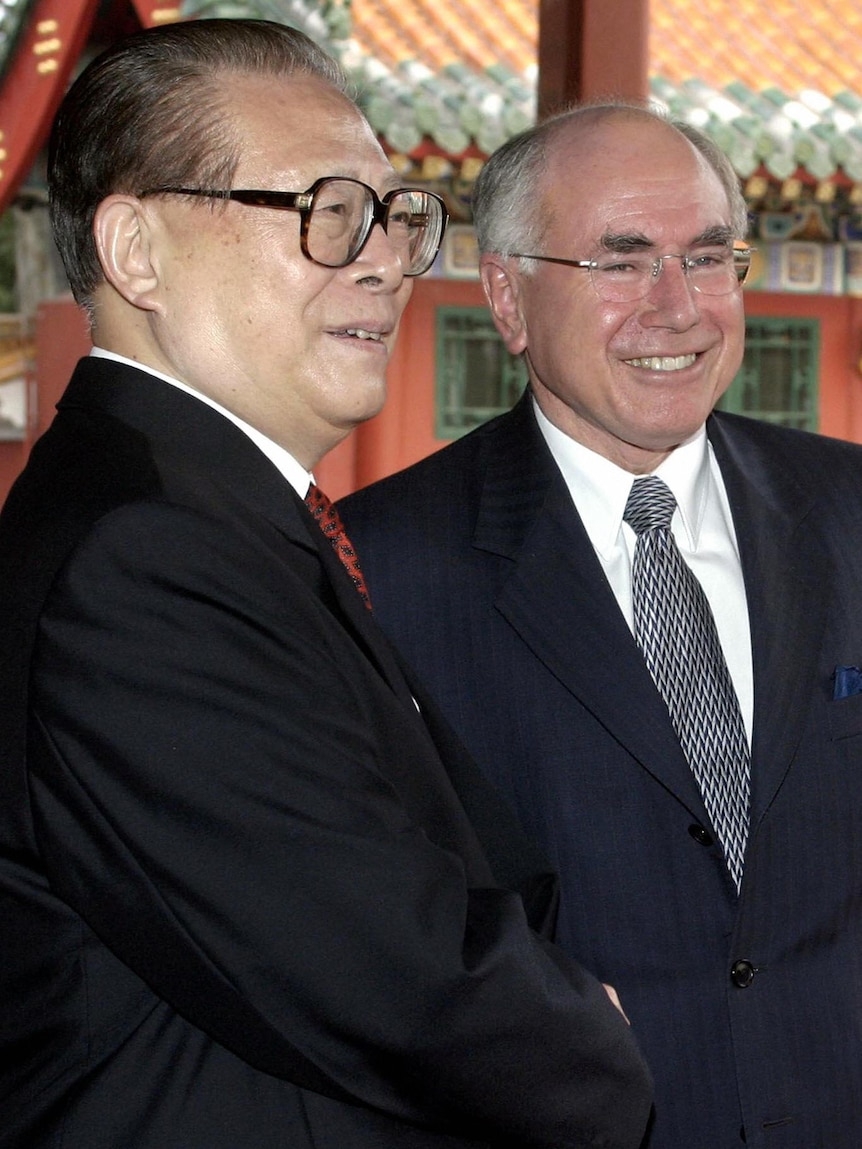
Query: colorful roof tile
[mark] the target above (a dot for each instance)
(780, 88)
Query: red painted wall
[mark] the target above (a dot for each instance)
(61, 339)
(840, 320)
(404, 431)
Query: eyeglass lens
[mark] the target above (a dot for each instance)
(622, 279)
(342, 216)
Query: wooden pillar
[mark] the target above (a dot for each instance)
(592, 49)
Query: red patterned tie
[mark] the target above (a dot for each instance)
(330, 523)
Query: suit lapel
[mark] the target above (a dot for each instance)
(214, 454)
(786, 608)
(558, 600)
(192, 440)
(357, 617)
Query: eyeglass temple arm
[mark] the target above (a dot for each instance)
(554, 259)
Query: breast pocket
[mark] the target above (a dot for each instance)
(845, 717)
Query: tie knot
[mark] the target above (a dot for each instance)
(650, 505)
(317, 501)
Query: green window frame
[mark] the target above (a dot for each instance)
(778, 381)
(475, 378)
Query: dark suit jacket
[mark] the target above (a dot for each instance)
(242, 904)
(480, 569)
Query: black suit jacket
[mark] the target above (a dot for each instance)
(242, 902)
(480, 569)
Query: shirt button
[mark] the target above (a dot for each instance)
(701, 835)
(742, 973)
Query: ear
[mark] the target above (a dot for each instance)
(123, 236)
(502, 286)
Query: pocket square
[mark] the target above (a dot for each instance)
(847, 680)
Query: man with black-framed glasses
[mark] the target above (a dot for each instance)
(645, 620)
(253, 893)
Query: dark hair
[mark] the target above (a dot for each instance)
(508, 212)
(150, 111)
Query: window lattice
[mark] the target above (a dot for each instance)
(778, 379)
(477, 378)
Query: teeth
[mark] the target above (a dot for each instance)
(663, 362)
(361, 333)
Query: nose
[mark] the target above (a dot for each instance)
(671, 300)
(378, 264)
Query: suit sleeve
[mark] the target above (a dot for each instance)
(206, 778)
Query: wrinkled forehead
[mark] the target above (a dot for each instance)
(301, 128)
(631, 174)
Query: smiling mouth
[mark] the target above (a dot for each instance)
(663, 362)
(361, 333)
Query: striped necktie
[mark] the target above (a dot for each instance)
(675, 629)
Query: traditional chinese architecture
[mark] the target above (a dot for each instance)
(443, 83)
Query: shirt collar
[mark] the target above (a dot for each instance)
(600, 489)
(686, 471)
(281, 459)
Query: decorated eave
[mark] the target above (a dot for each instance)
(41, 42)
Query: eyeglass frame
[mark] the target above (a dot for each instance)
(740, 256)
(303, 202)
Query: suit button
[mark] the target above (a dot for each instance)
(701, 835)
(742, 974)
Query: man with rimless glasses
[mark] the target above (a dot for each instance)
(645, 620)
(253, 892)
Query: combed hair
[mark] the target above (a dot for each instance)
(150, 111)
(507, 204)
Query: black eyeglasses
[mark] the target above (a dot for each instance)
(625, 278)
(337, 216)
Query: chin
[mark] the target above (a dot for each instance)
(373, 400)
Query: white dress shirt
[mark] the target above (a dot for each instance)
(284, 462)
(702, 527)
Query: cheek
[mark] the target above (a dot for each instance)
(403, 294)
(583, 344)
(729, 319)
(283, 302)
(575, 309)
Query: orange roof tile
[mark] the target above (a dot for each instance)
(786, 44)
(744, 85)
(441, 32)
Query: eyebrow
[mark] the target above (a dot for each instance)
(718, 235)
